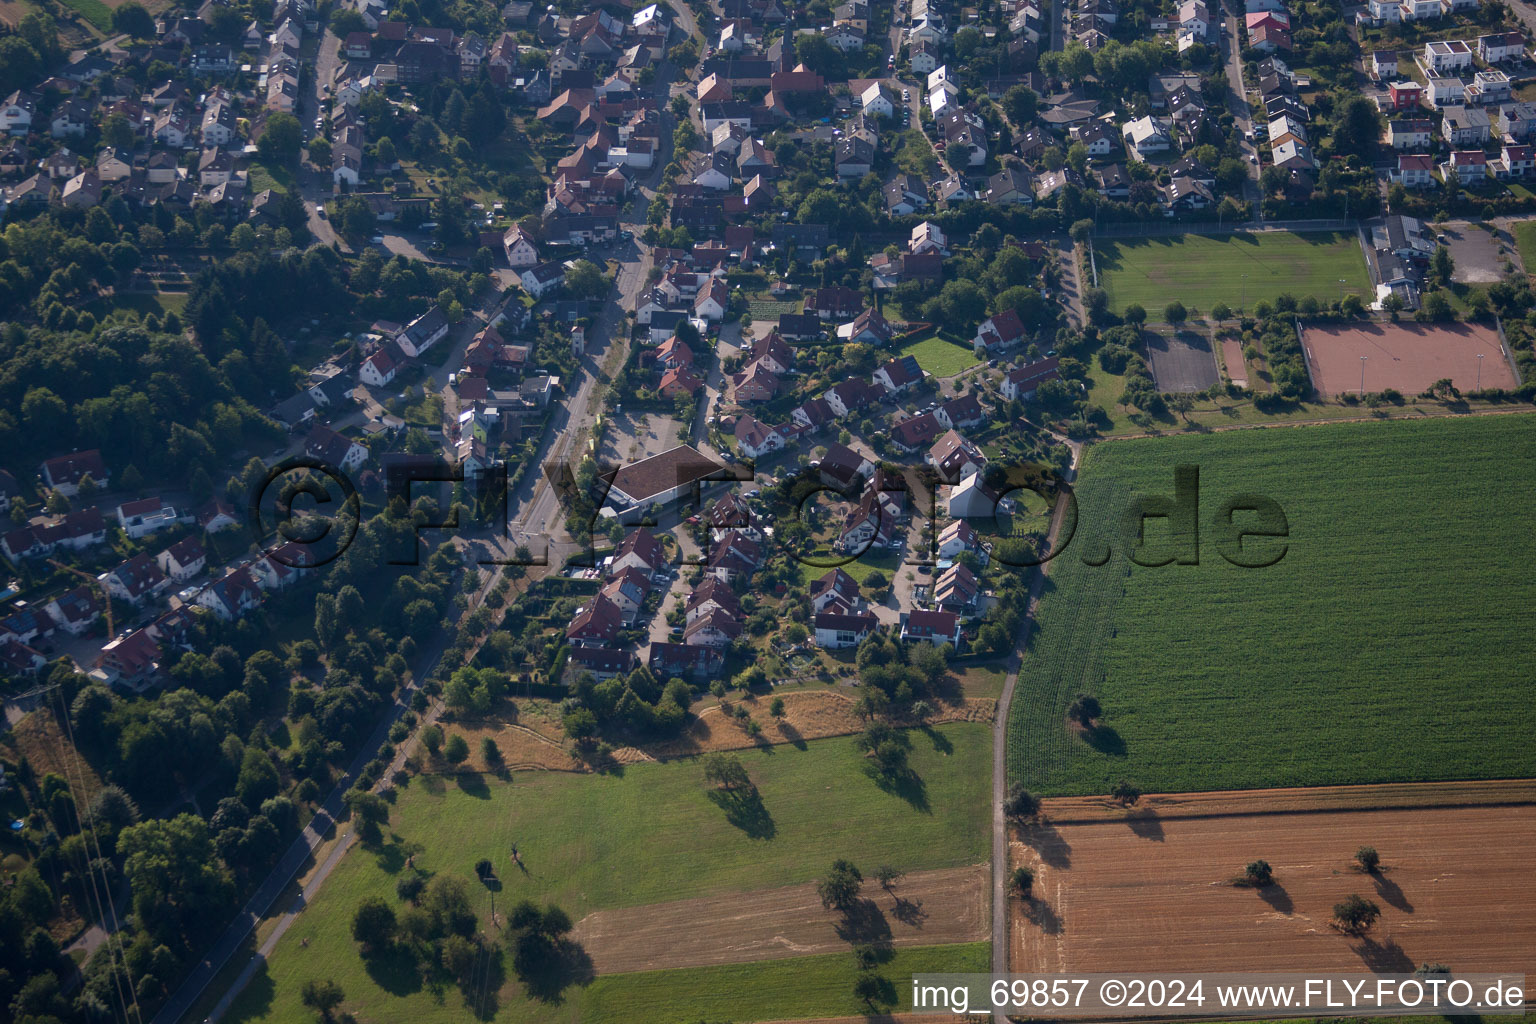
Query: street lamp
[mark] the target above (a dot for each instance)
(1479, 371)
(1362, 375)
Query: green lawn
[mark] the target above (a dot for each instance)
(263, 177)
(888, 562)
(1391, 643)
(812, 986)
(648, 834)
(1525, 241)
(93, 11)
(1201, 271)
(938, 357)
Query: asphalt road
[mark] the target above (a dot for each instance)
(1238, 100)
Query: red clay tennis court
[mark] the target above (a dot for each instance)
(1406, 356)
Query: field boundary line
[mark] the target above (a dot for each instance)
(1370, 797)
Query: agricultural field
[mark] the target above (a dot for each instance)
(1389, 643)
(1449, 888)
(1240, 270)
(939, 358)
(646, 834)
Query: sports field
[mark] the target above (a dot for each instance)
(1409, 357)
(1390, 643)
(648, 834)
(939, 358)
(1241, 269)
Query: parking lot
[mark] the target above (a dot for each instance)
(1475, 251)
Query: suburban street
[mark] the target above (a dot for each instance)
(1238, 101)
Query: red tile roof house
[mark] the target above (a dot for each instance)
(842, 467)
(232, 596)
(596, 623)
(917, 432)
(601, 662)
(734, 555)
(836, 630)
(999, 332)
(141, 518)
(136, 580)
(932, 627)
(63, 474)
(835, 588)
(683, 661)
(131, 662)
(716, 628)
(638, 550)
(628, 591)
(712, 593)
(757, 383)
(75, 611)
(729, 510)
(954, 457)
(899, 374)
(1022, 383)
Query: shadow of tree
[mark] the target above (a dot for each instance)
(564, 965)
(394, 969)
(744, 808)
(473, 784)
(904, 783)
(1043, 916)
(1391, 892)
(1047, 842)
(939, 740)
(1146, 824)
(256, 999)
(1275, 895)
(1384, 957)
(1105, 740)
(792, 736)
(909, 912)
(864, 922)
(482, 997)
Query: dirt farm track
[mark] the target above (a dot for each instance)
(1152, 888)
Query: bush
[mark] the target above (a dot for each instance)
(1021, 805)
(1355, 915)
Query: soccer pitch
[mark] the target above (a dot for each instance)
(1239, 269)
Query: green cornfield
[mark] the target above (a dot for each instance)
(1393, 641)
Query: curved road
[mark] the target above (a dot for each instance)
(1000, 748)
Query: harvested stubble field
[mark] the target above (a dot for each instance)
(1390, 643)
(1150, 892)
(537, 742)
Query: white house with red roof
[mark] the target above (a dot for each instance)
(183, 560)
(64, 473)
(141, 518)
(378, 370)
(596, 623)
(931, 627)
